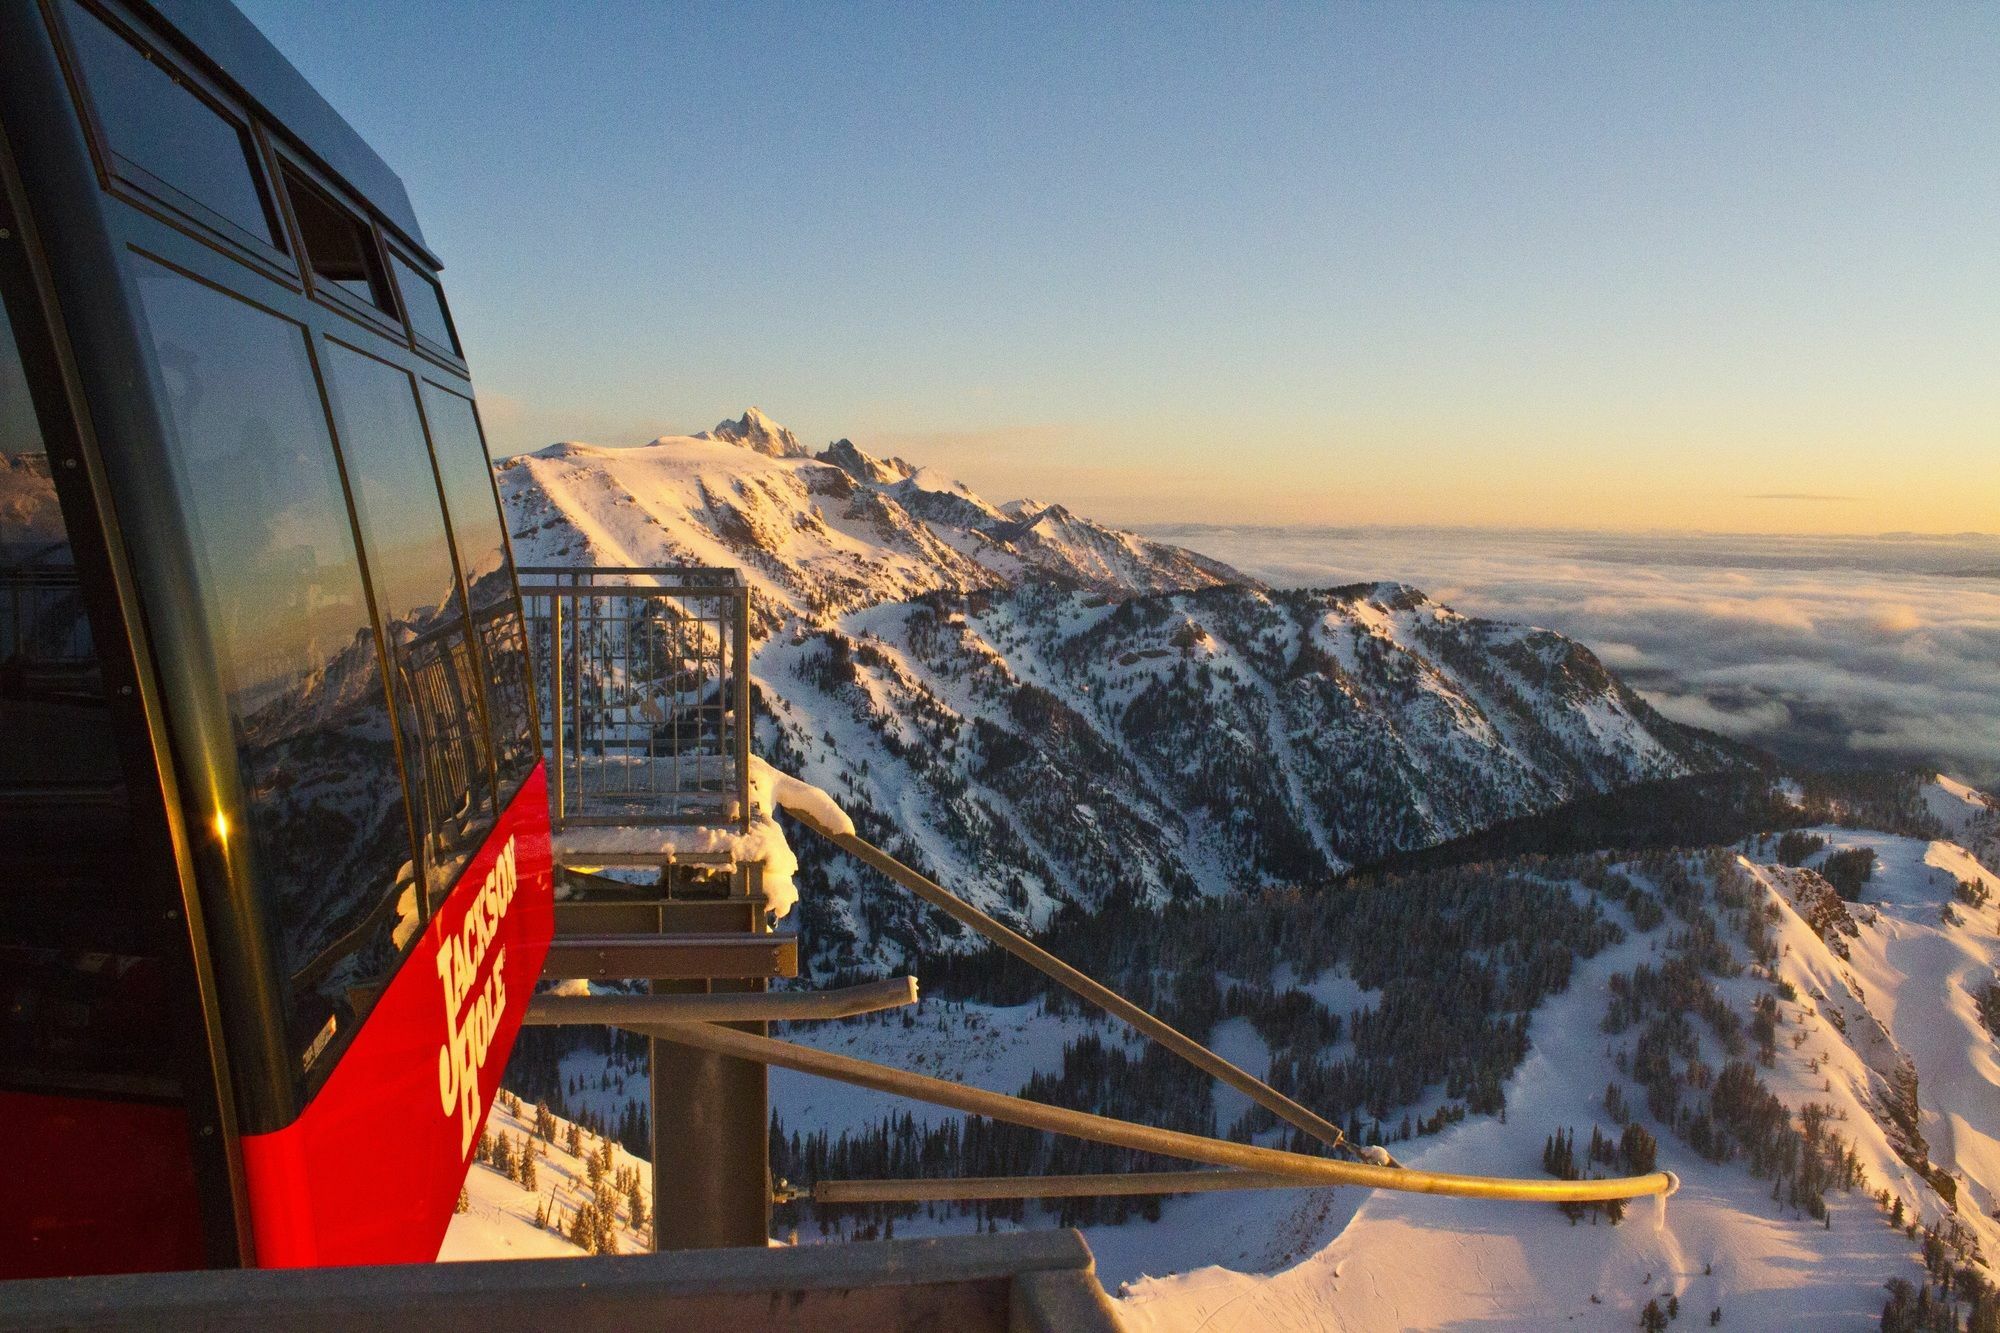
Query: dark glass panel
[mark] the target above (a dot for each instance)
(424, 301)
(55, 729)
(467, 476)
(81, 993)
(340, 249)
(156, 121)
(253, 467)
(417, 597)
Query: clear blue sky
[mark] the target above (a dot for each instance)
(1620, 265)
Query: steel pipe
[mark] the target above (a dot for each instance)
(1145, 1138)
(642, 1013)
(1050, 1187)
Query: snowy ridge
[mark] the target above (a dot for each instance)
(1875, 1020)
(1036, 747)
(499, 1217)
(817, 536)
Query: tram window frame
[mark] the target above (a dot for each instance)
(402, 262)
(443, 857)
(382, 315)
(313, 1051)
(128, 179)
(108, 934)
(515, 751)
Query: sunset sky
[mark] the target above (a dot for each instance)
(1713, 266)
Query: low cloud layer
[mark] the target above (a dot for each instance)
(1824, 650)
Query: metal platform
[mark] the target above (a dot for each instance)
(1025, 1282)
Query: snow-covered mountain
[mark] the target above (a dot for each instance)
(1044, 710)
(818, 536)
(1037, 747)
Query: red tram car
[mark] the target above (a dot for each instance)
(274, 845)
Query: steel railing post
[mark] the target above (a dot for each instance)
(556, 703)
(742, 653)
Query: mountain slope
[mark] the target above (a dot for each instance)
(1037, 747)
(1045, 711)
(1874, 1026)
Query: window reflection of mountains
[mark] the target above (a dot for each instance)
(333, 846)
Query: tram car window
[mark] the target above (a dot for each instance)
(488, 567)
(165, 136)
(424, 621)
(339, 248)
(423, 300)
(291, 636)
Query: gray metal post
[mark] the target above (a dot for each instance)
(711, 1114)
(556, 702)
(743, 720)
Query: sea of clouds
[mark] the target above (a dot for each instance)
(1824, 650)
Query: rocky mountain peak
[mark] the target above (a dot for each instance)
(758, 432)
(863, 466)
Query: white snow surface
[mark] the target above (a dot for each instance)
(1337, 1260)
(764, 843)
(499, 1222)
(771, 790)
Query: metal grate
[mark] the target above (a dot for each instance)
(643, 677)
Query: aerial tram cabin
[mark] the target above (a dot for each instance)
(274, 842)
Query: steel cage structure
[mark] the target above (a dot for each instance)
(642, 677)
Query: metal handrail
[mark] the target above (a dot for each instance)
(1147, 1138)
(645, 1013)
(1089, 988)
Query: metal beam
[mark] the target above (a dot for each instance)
(684, 957)
(640, 1013)
(1050, 1187)
(1037, 1280)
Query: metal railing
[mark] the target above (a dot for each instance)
(44, 637)
(644, 684)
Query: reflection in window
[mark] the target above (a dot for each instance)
(425, 303)
(416, 595)
(327, 832)
(78, 1011)
(159, 124)
(55, 729)
(467, 476)
(340, 249)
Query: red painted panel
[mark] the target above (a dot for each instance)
(96, 1187)
(370, 1172)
